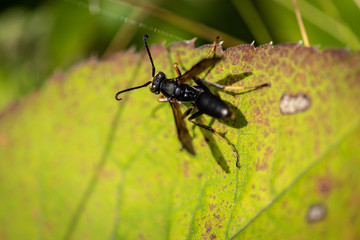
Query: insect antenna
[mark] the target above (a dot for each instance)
(153, 72)
(148, 51)
(130, 89)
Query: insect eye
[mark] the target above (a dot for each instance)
(154, 88)
(160, 76)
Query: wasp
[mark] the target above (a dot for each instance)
(177, 91)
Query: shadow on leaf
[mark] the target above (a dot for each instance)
(214, 148)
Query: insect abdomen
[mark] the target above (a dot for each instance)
(213, 106)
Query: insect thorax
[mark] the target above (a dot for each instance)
(181, 92)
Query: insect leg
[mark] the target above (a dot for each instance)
(230, 88)
(197, 114)
(163, 99)
(188, 111)
(177, 69)
(213, 50)
(201, 84)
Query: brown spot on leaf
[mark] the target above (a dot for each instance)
(323, 185)
(261, 165)
(234, 59)
(247, 57)
(208, 226)
(107, 174)
(255, 196)
(4, 139)
(287, 69)
(212, 206)
(300, 78)
(186, 169)
(257, 115)
(216, 216)
(354, 200)
(291, 104)
(213, 236)
(268, 152)
(48, 226)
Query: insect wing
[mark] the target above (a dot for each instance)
(182, 131)
(198, 68)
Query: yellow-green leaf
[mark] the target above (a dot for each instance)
(77, 164)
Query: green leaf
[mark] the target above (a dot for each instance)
(76, 163)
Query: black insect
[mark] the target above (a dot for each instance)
(175, 91)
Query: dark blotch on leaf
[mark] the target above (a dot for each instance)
(323, 185)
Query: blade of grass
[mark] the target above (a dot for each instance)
(126, 32)
(323, 21)
(357, 3)
(301, 24)
(253, 20)
(193, 27)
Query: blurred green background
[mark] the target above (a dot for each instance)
(38, 38)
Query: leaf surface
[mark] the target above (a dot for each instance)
(76, 163)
